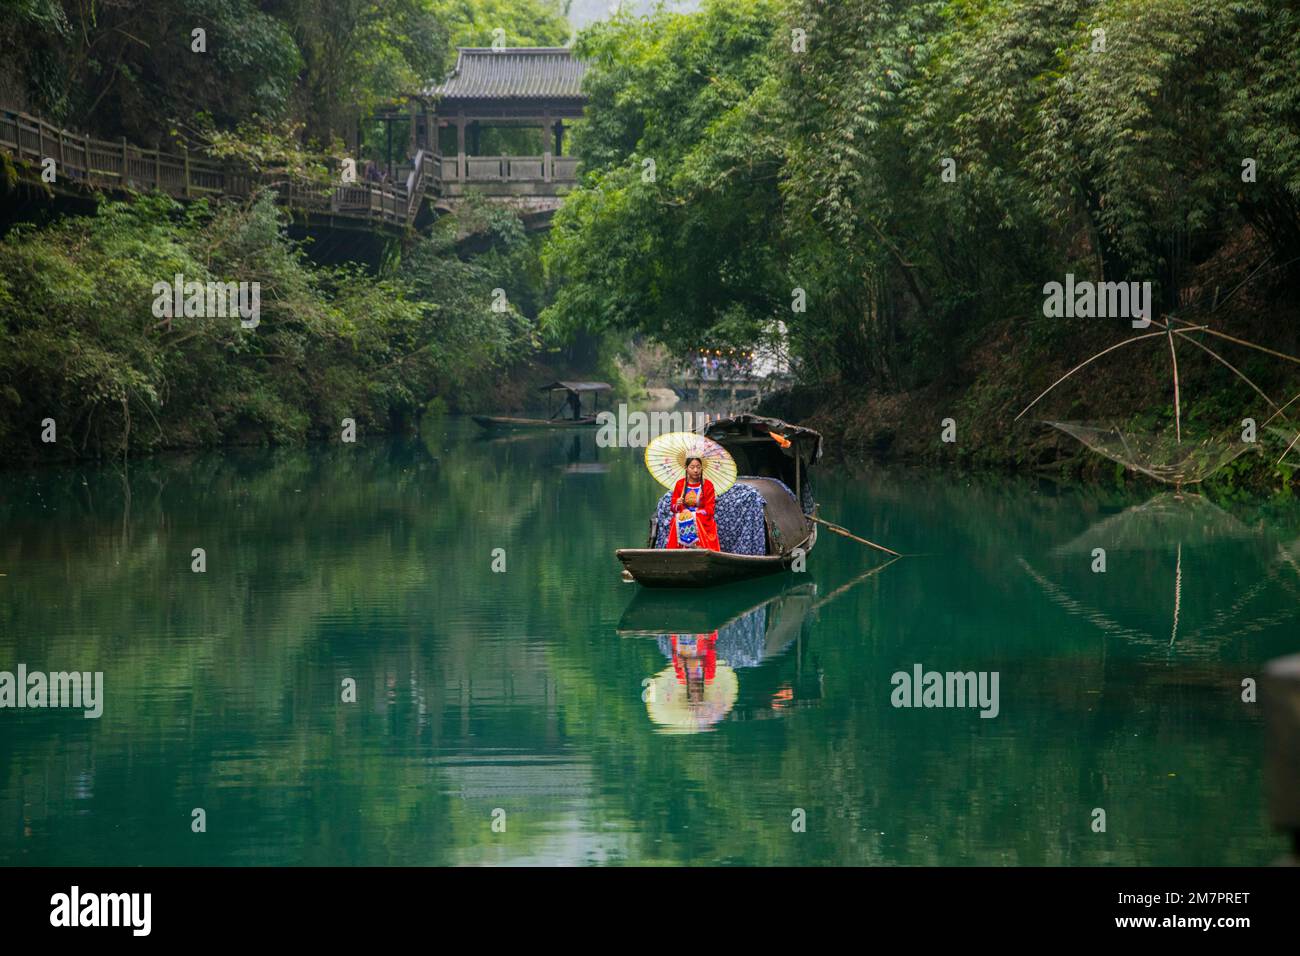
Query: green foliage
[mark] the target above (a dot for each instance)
(470, 334)
(690, 95)
(821, 168)
(525, 22)
(129, 69)
(272, 150)
(79, 341)
(358, 54)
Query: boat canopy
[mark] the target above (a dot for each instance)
(576, 387)
(749, 440)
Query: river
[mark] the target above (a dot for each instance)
(516, 702)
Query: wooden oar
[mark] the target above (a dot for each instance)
(785, 443)
(848, 534)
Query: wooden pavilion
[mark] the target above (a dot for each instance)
(489, 89)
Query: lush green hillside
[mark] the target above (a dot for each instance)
(898, 182)
(81, 340)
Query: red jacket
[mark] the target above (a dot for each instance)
(706, 527)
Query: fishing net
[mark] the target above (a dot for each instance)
(1158, 455)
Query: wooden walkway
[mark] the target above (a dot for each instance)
(83, 162)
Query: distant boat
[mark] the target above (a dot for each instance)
(503, 422)
(587, 468)
(760, 459)
(575, 392)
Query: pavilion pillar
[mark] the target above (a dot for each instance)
(547, 156)
(412, 143)
(460, 147)
(559, 137)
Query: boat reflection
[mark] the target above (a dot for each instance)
(584, 457)
(707, 642)
(573, 453)
(709, 639)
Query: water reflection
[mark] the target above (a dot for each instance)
(700, 686)
(574, 453)
(584, 456)
(1097, 568)
(695, 691)
(478, 690)
(707, 640)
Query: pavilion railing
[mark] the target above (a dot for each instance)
(565, 169)
(506, 169)
(432, 171)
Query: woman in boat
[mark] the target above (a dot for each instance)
(692, 505)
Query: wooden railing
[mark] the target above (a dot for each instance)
(100, 164)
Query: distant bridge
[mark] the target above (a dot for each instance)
(694, 388)
(536, 87)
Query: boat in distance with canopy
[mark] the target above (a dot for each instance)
(572, 403)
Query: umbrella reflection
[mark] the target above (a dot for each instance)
(700, 686)
(695, 691)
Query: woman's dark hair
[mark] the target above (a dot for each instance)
(692, 458)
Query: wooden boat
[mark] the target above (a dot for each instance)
(790, 531)
(574, 390)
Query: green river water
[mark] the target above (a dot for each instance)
(499, 716)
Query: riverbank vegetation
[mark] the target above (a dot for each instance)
(133, 69)
(279, 84)
(892, 183)
(897, 181)
(80, 344)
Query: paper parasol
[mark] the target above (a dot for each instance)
(671, 709)
(666, 456)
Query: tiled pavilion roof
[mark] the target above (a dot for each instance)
(518, 73)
